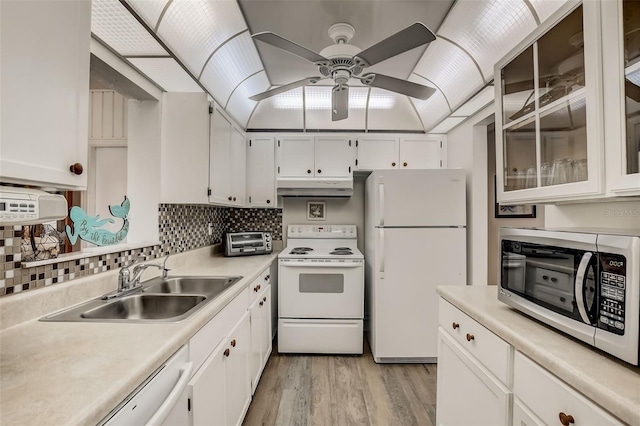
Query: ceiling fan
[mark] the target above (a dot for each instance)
(342, 61)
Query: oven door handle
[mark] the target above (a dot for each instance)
(320, 265)
(579, 286)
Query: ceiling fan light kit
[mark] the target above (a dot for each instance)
(343, 61)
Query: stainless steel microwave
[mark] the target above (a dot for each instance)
(585, 283)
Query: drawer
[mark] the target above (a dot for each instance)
(320, 336)
(258, 284)
(547, 396)
(492, 352)
(212, 333)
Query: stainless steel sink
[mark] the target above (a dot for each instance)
(190, 285)
(158, 300)
(145, 306)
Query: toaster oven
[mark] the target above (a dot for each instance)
(246, 243)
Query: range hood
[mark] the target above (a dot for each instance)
(315, 187)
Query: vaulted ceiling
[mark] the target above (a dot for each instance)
(206, 45)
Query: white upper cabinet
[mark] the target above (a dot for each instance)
(378, 152)
(227, 162)
(45, 92)
(261, 188)
(549, 115)
(319, 157)
(621, 80)
(185, 148)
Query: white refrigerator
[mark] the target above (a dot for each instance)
(415, 240)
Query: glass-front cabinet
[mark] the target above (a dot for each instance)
(549, 111)
(621, 70)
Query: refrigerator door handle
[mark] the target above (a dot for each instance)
(381, 203)
(381, 253)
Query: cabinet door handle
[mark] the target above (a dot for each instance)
(230, 198)
(255, 289)
(227, 352)
(261, 303)
(319, 171)
(233, 343)
(393, 164)
(76, 168)
(258, 286)
(268, 201)
(455, 325)
(566, 419)
(309, 171)
(234, 198)
(470, 337)
(267, 277)
(264, 299)
(404, 164)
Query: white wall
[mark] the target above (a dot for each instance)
(340, 211)
(467, 149)
(143, 170)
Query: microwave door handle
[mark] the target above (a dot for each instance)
(579, 286)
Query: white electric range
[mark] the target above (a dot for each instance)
(321, 290)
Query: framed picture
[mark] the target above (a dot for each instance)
(513, 210)
(316, 210)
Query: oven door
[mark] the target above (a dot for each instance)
(312, 289)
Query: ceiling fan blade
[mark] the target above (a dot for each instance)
(285, 88)
(413, 36)
(339, 102)
(289, 46)
(403, 87)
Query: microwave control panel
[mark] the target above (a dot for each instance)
(612, 292)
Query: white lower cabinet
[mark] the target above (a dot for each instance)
(483, 380)
(260, 312)
(468, 394)
(207, 390)
(550, 400)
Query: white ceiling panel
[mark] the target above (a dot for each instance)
(391, 111)
(167, 73)
(149, 10)
(545, 8)
(194, 29)
(283, 111)
(232, 63)
(114, 25)
(451, 70)
(240, 106)
(433, 110)
(488, 30)
(479, 101)
(318, 108)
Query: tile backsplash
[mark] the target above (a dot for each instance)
(180, 226)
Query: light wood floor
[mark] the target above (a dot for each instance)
(343, 390)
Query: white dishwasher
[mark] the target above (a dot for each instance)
(161, 399)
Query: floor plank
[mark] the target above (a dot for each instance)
(320, 390)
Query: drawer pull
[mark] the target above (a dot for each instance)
(264, 299)
(259, 286)
(255, 289)
(470, 337)
(233, 343)
(227, 352)
(261, 303)
(566, 419)
(267, 277)
(455, 325)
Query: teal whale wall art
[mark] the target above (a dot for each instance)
(91, 228)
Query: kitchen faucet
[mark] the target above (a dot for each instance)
(129, 280)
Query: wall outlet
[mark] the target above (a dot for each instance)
(210, 229)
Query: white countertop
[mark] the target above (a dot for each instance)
(66, 373)
(611, 383)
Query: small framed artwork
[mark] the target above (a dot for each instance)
(513, 210)
(316, 210)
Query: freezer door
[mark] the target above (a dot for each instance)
(411, 263)
(417, 197)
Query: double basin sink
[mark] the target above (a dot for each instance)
(158, 300)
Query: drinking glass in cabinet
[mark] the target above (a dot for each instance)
(563, 140)
(631, 29)
(517, 87)
(531, 179)
(519, 153)
(561, 59)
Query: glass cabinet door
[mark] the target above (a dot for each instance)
(631, 43)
